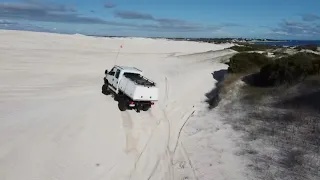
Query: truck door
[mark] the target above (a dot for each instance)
(116, 79)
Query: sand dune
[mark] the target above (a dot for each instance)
(56, 123)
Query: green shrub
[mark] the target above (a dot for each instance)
(289, 69)
(242, 48)
(316, 66)
(252, 47)
(312, 47)
(246, 62)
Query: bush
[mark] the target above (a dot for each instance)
(242, 48)
(316, 66)
(252, 47)
(246, 62)
(312, 47)
(289, 69)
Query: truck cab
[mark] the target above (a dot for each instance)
(115, 75)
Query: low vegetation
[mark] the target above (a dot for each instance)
(279, 125)
(280, 129)
(242, 48)
(252, 47)
(280, 53)
(285, 70)
(312, 47)
(289, 69)
(247, 62)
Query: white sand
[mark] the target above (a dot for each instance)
(56, 124)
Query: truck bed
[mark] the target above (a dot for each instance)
(138, 88)
(138, 79)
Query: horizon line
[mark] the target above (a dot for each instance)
(93, 35)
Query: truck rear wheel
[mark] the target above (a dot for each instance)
(145, 108)
(122, 104)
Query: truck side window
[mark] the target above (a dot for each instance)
(118, 73)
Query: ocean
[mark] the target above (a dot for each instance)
(290, 43)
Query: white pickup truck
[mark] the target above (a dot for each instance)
(130, 88)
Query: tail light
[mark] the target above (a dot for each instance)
(131, 104)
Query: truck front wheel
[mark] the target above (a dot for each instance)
(105, 89)
(122, 104)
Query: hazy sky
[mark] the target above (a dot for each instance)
(284, 19)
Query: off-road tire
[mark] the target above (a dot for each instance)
(145, 108)
(122, 105)
(105, 89)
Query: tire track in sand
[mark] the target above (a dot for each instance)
(128, 128)
(157, 145)
(155, 159)
(145, 149)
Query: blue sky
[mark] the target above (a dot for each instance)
(279, 19)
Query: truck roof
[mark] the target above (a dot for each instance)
(129, 69)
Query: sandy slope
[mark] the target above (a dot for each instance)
(56, 124)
